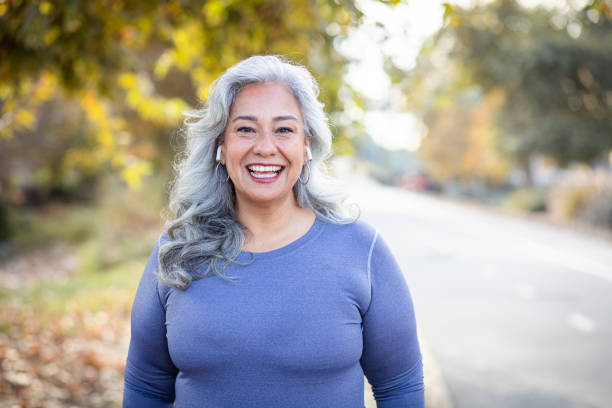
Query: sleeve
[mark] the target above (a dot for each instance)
(391, 357)
(149, 371)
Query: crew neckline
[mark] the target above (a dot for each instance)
(312, 232)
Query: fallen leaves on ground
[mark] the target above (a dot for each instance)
(75, 360)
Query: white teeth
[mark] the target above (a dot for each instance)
(262, 176)
(260, 169)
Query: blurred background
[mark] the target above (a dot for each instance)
(477, 136)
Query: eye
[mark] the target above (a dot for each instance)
(245, 129)
(285, 130)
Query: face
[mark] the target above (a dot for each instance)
(264, 144)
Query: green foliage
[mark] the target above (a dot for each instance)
(552, 67)
(36, 228)
(6, 229)
(85, 291)
(527, 199)
(91, 87)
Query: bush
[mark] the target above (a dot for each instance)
(567, 202)
(6, 230)
(527, 199)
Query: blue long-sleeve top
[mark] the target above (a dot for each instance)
(298, 327)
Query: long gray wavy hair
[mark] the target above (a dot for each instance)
(204, 236)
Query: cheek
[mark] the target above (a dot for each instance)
(233, 153)
(295, 151)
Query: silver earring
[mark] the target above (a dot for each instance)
(218, 158)
(305, 169)
(308, 153)
(217, 173)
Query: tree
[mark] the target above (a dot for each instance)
(552, 68)
(97, 83)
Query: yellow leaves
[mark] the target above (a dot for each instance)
(215, 12)
(145, 26)
(84, 160)
(97, 53)
(106, 139)
(93, 107)
(51, 35)
(481, 156)
(203, 79)
(203, 91)
(189, 41)
(24, 118)
(163, 64)
(462, 141)
(5, 134)
(16, 120)
(46, 87)
(258, 38)
(119, 159)
(6, 91)
(443, 100)
(134, 173)
(3, 9)
(127, 80)
(451, 17)
(174, 107)
(161, 110)
(45, 7)
(139, 90)
(18, 113)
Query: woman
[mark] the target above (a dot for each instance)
(298, 302)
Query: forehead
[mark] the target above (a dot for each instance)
(267, 98)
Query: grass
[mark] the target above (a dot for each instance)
(88, 291)
(112, 239)
(37, 228)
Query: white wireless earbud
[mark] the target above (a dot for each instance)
(218, 154)
(308, 153)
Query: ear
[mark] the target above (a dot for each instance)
(221, 154)
(307, 151)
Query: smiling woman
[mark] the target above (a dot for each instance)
(264, 149)
(299, 301)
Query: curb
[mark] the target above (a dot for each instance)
(437, 394)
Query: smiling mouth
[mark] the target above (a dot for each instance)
(264, 172)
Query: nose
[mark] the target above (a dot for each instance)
(265, 145)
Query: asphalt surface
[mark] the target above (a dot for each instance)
(511, 312)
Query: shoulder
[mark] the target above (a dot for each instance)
(162, 239)
(362, 238)
(357, 234)
(154, 268)
(153, 263)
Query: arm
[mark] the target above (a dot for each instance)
(391, 357)
(149, 371)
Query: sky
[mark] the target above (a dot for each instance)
(410, 24)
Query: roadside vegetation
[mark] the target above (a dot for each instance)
(66, 293)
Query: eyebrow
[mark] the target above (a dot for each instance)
(254, 119)
(286, 117)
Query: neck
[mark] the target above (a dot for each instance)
(266, 218)
(272, 225)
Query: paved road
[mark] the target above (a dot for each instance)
(515, 313)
